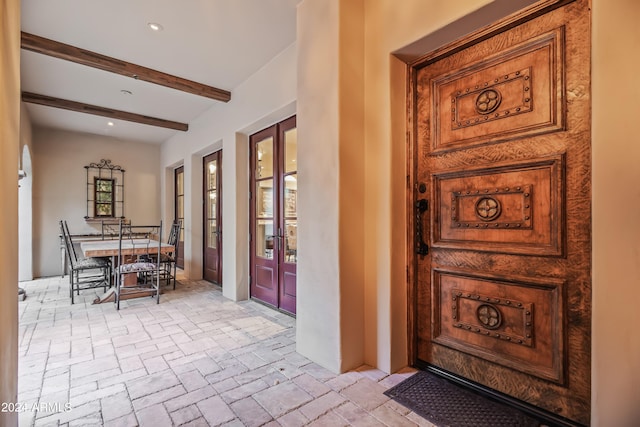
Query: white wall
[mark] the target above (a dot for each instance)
(265, 98)
(60, 190)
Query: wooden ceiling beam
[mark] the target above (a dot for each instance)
(49, 101)
(91, 59)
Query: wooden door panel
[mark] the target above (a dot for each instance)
(516, 322)
(515, 93)
(265, 285)
(502, 157)
(288, 291)
(515, 208)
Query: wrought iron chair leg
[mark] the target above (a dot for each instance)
(175, 272)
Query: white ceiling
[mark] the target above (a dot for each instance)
(215, 42)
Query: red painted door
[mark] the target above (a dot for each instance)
(273, 211)
(212, 187)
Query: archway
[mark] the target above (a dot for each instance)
(25, 218)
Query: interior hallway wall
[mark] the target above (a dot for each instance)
(616, 207)
(320, 316)
(60, 189)
(9, 158)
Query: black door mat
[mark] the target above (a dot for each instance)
(446, 404)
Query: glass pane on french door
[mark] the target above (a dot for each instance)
(212, 242)
(212, 218)
(265, 231)
(290, 195)
(179, 212)
(265, 243)
(212, 203)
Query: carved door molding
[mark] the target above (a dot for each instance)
(500, 170)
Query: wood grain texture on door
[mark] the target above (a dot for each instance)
(502, 152)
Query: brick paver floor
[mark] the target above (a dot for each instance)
(196, 359)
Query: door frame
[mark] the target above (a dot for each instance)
(180, 243)
(218, 154)
(283, 268)
(413, 192)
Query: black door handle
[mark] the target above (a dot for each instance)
(422, 205)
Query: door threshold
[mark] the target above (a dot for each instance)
(273, 307)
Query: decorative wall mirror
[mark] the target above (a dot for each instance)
(105, 190)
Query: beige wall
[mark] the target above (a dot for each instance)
(63, 155)
(616, 213)
(351, 173)
(9, 156)
(318, 280)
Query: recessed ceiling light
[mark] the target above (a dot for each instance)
(126, 92)
(110, 123)
(155, 26)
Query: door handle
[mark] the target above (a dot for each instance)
(279, 237)
(422, 205)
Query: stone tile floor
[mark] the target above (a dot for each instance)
(196, 359)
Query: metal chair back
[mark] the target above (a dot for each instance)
(139, 249)
(78, 281)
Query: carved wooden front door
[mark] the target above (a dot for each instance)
(502, 201)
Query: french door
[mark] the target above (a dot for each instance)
(273, 212)
(179, 212)
(502, 201)
(212, 187)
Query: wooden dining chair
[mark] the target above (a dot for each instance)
(84, 273)
(138, 266)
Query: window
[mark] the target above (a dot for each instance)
(104, 197)
(105, 190)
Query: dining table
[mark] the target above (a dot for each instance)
(130, 248)
(110, 248)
